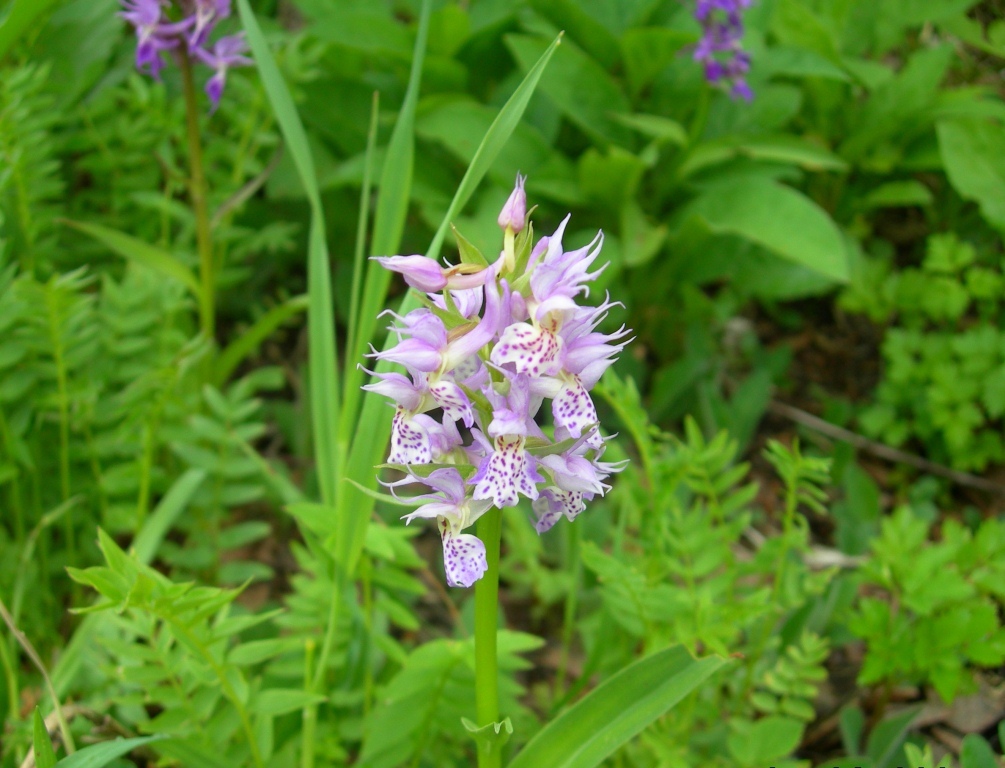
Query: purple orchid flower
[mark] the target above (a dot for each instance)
(156, 33)
(488, 350)
(425, 275)
(720, 50)
(463, 554)
(227, 52)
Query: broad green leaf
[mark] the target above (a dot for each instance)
(251, 339)
(281, 701)
(141, 252)
(898, 110)
(580, 87)
(894, 194)
(779, 218)
(972, 152)
(318, 518)
(775, 149)
(647, 51)
(45, 755)
(764, 741)
(175, 501)
(369, 444)
(23, 15)
(460, 125)
(323, 369)
(795, 24)
(977, 753)
(100, 755)
(663, 129)
(364, 29)
(191, 755)
(617, 710)
(594, 37)
(885, 743)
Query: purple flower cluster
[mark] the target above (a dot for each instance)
(493, 343)
(157, 32)
(719, 50)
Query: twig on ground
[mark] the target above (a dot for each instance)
(882, 450)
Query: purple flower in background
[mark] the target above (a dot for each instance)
(491, 346)
(227, 52)
(186, 25)
(720, 50)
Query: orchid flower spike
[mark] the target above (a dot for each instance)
(492, 345)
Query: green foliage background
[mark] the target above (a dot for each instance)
(237, 601)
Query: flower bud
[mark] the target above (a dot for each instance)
(421, 273)
(514, 212)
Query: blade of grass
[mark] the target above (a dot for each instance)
(250, 340)
(23, 14)
(133, 249)
(389, 222)
(323, 372)
(359, 262)
(369, 442)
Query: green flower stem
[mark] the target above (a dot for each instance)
(569, 613)
(486, 633)
(198, 196)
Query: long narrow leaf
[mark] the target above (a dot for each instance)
(251, 339)
(324, 374)
(23, 15)
(100, 755)
(587, 733)
(359, 255)
(175, 501)
(389, 219)
(134, 249)
(370, 440)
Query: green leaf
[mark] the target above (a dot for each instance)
(647, 51)
(23, 15)
(764, 741)
(100, 755)
(175, 501)
(894, 194)
(489, 737)
(663, 129)
(45, 755)
(584, 735)
(252, 338)
(323, 370)
(977, 753)
(779, 218)
(885, 743)
(580, 87)
(394, 193)
(136, 250)
(586, 31)
(280, 701)
(972, 154)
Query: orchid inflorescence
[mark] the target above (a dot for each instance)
(169, 25)
(491, 344)
(720, 50)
